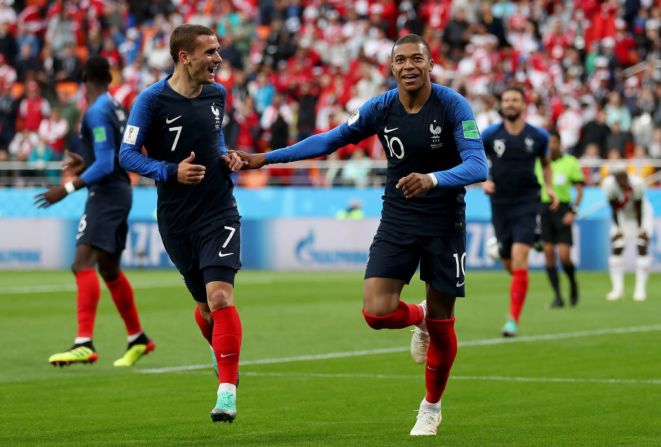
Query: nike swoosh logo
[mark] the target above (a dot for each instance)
(459, 284)
(222, 255)
(168, 120)
(222, 356)
(386, 130)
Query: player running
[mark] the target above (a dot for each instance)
(434, 149)
(513, 146)
(178, 120)
(103, 227)
(632, 221)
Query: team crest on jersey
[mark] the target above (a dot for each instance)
(216, 113)
(530, 144)
(499, 147)
(435, 135)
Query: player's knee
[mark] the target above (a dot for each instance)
(109, 273)
(219, 298)
(79, 266)
(373, 321)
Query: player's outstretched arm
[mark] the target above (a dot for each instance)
(250, 161)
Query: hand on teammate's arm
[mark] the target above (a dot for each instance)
(233, 162)
(250, 161)
(189, 173)
(414, 184)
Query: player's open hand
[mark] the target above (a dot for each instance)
(233, 161)
(73, 166)
(414, 184)
(189, 173)
(489, 187)
(251, 161)
(568, 218)
(47, 198)
(554, 199)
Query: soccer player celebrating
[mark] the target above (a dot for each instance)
(512, 147)
(557, 224)
(434, 149)
(178, 120)
(103, 228)
(632, 220)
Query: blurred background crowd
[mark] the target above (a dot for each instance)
(292, 68)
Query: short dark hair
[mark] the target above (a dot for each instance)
(555, 133)
(183, 38)
(97, 71)
(514, 88)
(411, 38)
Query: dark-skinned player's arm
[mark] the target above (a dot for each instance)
(103, 165)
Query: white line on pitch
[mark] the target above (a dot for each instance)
(467, 343)
(469, 378)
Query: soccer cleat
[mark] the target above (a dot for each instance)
(510, 328)
(80, 353)
(135, 351)
(614, 295)
(420, 339)
(557, 303)
(639, 296)
(225, 409)
(428, 419)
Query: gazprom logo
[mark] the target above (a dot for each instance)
(306, 253)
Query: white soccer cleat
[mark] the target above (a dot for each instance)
(614, 295)
(428, 419)
(639, 296)
(420, 339)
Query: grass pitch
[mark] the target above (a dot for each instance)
(314, 374)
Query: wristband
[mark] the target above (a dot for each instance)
(69, 187)
(434, 180)
(574, 209)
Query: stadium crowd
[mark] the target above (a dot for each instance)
(591, 69)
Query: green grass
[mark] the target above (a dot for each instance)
(540, 392)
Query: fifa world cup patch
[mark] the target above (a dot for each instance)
(470, 130)
(131, 134)
(353, 118)
(99, 134)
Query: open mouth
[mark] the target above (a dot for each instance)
(212, 69)
(409, 77)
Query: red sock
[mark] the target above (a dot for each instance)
(122, 294)
(89, 292)
(404, 316)
(226, 342)
(440, 357)
(205, 326)
(518, 291)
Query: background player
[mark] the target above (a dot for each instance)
(512, 147)
(632, 221)
(557, 224)
(103, 228)
(433, 149)
(179, 119)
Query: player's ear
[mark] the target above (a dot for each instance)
(183, 56)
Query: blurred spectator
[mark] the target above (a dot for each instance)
(67, 66)
(53, 131)
(8, 45)
(617, 112)
(591, 172)
(639, 164)
(596, 132)
(619, 141)
(356, 171)
(32, 109)
(40, 156)
(275, 122)
(352, 212)
(22, 144)
(8, 112)
(27, 64)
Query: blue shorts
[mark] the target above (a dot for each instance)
(514, 223)
(104, 225)
(212, 254)
(396, 254)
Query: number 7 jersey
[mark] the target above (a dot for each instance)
(171, 126)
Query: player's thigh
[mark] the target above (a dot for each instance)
(182, 250)
(393, 254)
(502, 228)
(85, 258)
(523, 220)
(104, 225)
(219, 246)
(443, 263)
(381, 295)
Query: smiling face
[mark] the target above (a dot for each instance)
(411, 66)
(204, 60)
(512, 104)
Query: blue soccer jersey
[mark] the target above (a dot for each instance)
(513, 160)
(171, 126)
(101, 131)
(442, 138)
